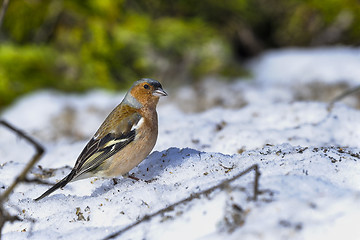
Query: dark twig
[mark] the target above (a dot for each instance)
(4, 216)
(193, 196)
(4, 7)
(256, 182)
(37, 181)
(34, 160)
(343, 95)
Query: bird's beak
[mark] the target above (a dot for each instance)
(159, 92)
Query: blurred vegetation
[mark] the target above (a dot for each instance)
(76, 45)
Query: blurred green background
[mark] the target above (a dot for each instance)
(77, 45)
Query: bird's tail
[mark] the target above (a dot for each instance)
(58, 185)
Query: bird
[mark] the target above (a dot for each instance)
(124, 139)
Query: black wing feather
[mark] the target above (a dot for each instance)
(107, 152)
(99, 149)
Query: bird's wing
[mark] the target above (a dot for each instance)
(104, 145)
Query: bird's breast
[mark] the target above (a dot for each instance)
(133, 154)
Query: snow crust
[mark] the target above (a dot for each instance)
(308, 157)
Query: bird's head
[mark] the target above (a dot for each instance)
(144, 92)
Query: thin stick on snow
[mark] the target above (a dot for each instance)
(4, 216)
(221, 185)
(344, 95)
(22, 177)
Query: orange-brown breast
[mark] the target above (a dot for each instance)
(135, 152)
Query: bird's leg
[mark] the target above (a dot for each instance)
(131, 176)
(115, 181)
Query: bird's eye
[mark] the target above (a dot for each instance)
(146, 86)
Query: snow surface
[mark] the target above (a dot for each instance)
(309, 158)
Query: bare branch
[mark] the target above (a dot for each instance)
(193, 196)
(22, 177)
(37, 181)
(344, 95)
(5, 216)
(4, 7)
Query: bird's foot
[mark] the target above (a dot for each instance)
(131, 176)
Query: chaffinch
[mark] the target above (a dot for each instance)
(123, 140)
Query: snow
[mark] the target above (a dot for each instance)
(308, 155)
(321, 64)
